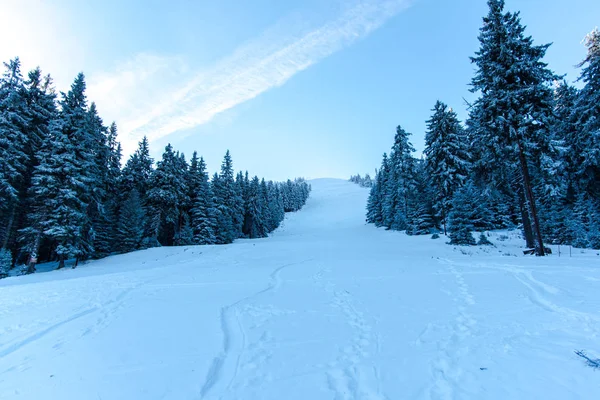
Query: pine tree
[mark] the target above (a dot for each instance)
(421, 221)
(396, 207)
(275, 213)
(138, 170)
(229, 203)
(483, 240)
(224, 231)
(112, 195)
(254, 225)
(185, 235)
(421, 212)
(583, 222)
(166, 197)
(14, 159)
(41, 104)
(203, 211)
(100, 213)
(130, 225)
(459, 221)
(278, 206)
(193, 182)
(515, 105)
(5, 262)
(378, 194)
(565, 129)
(587, 112)
(61, 183)
(447, 158)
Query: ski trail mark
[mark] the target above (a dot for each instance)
(40, 334)
(539, 293)
(234, 338)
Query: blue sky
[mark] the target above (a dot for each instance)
(311, 88)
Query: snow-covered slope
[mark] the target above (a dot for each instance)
(326, 308)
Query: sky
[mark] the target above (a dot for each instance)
(310, 88)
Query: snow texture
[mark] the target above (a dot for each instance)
(326, 308)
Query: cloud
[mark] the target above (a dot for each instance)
(257, 66)
(137, 91)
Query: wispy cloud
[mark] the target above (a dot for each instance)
(256, 67)
(137, 91)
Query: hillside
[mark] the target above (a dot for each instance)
(327, 307)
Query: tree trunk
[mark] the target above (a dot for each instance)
(61, 261)
(444, 219)
(527, 229)
(34, 255)
(9, 227)
(531, 201)
(76, 262)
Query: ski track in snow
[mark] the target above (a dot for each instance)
(234, 338)
(11, 348)
(107, 310)
(539, 294)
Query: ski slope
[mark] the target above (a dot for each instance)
(326, 308)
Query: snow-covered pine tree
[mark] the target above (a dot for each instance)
(421, 220)
(61, 183)
(130, 224)
(378, 193)
(14, 158)
(587, 111)
(581, 133)
(243, 186)
(165, 198)
(112, 181)
(279, 208)
(230, 199)
(395, 206)
(254, 220)
(446, 160)
(183, 201)
(193, 180)
(276, 213)
(289, 196)
(565, 129)
(420, 196)
(515, 100)
(460, 225)
(365, 181)
(5, 262)
(224, 230)
(204, 212)
(556, 210)
(136, 175)
(185, 235)
(41, 106)
(305, 190)
(100, 215)
(138, 170)
(267, 217)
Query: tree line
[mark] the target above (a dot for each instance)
(64, 194)
(364, 181)
(528, 155)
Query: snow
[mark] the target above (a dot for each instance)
(327, 307)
